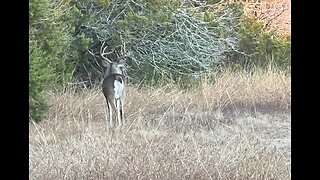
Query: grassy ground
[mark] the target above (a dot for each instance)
(237, 128)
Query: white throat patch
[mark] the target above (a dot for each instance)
(118, 88)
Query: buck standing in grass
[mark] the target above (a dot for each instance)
(113, 87)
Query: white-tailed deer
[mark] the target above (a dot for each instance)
(113, 86)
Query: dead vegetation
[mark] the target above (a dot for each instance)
(237, 128)
(275, 14)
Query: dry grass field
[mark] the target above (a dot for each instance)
(237, 128)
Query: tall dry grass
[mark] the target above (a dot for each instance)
(237, 128)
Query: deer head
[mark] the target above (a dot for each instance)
(112, 67)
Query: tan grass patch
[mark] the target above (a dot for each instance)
(206, 133)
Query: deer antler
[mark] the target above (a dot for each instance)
(104, 54)
(123, 50)
(121, 57)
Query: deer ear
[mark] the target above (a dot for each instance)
(105, 63)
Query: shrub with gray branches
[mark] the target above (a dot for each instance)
(162, 40)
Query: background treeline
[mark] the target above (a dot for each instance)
(166, 41)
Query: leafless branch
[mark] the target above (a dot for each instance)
(184, 45)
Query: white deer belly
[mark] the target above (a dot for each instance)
(118, 89)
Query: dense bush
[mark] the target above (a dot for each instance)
(165, 40)
(260, 48)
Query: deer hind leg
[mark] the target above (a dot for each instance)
(109, 112)
(121, 111)
(118, 111)
(112, 111)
